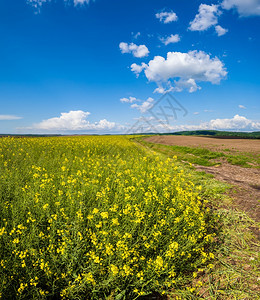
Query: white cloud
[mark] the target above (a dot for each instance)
(196, 113)
(137, 51)
(137, 69)
(189, 84)
(170, 39)
(73, 121)
(242, 106)
(37, 4)
(207, 17)
(188, 68)
(81, 2)
(238, 123)
(9, 117)
(220, 30)
(145, 106)
(167, 17)
(128, 100)
(244, 7)
(135, 36)
(162, 90)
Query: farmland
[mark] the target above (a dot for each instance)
(102, 217)
(216, 144)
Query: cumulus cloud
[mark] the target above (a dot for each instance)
(73, 121)
(164, 90)
(128, 100)
(220, 30)
(167, 17)
(160, 90)
(189, 84)
(242, 106)
(170, 39)
(137, 69)
(9, 117)
(145, 106)
(186, 68)
(237, 123)
(207, 17)
(137, 51)
(244, 7)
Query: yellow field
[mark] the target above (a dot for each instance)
(93, 217)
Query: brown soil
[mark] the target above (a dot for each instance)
(246, 181)
(217, 144)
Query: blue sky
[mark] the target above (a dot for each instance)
(77, 66)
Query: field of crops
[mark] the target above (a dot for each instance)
(97, 217)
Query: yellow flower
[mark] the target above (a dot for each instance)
(95, 211)
(127, 270)
(115, 221)
(104, 215)
(45, 206)
(89, 278)
(114, 269)
(80, 236)
(22, 287)
(158, 262)
(2, 231)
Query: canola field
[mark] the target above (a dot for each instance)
(97, 217)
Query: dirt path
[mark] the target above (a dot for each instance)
(246, 181)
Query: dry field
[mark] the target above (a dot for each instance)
(217, 144)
